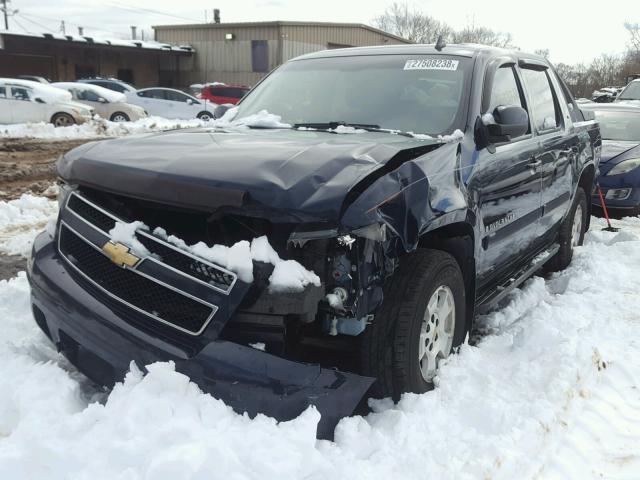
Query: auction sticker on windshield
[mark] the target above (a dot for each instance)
(431, 64)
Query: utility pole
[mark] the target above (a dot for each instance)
(63, 28)
(5, 10)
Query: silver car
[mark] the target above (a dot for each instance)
(108, 104)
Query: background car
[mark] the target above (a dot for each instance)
(631, 92)
(110, 83)
(170, 103)
(23, 101)
(620, 162)
(107, 103)
(221, 93)
(34, 78)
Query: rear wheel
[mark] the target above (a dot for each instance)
(62, 120)
(206, 116)
(119, 117)
(571, 233)
(420, 322)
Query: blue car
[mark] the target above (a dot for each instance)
(619, 175)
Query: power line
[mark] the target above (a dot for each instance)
(57, 21)
(150, 10)
(15, 20)
(39, 25)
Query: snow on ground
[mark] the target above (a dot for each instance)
(550, 391)
(20, 221)
(101, 128)
(97, 128)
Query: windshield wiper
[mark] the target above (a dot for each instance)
(362, 126)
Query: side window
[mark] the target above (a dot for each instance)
(572, 106)
(505, 90)
(90, 96)
(3, 91)
(158, 94)
(20, 93)
(175, 96)
(546, 114)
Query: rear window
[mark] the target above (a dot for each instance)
(623, 126)
(545, 114)
(631, 92)
(228, 92)
(413, 93)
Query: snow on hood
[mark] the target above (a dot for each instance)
(46, 92)
(109, 95)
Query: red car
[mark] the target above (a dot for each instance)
(221, 93)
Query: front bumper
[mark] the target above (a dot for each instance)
(620, 207)
(100, 341)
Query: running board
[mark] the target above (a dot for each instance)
(489, 301)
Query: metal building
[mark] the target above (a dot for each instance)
(68, 57)
(243, 53)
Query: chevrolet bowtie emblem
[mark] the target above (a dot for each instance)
(120, 254)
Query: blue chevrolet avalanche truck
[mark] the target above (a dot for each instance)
(420, 183)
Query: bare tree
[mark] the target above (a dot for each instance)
(484, 36)
(543, 52)
(411, 24)
(634, 33)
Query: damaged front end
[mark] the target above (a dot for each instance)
(257, 347)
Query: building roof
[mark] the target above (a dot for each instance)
(280, 23)
(112, 42)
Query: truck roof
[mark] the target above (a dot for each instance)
(460, 50)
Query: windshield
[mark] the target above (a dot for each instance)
(412, 93)
(631, 92)
(623, 126)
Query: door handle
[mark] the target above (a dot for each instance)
(534, 163)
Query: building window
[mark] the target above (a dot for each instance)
(260, 55)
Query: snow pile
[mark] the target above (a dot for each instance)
(97, 128)
(550, 391)
(262, 119)
(21, 220)
(287, 275)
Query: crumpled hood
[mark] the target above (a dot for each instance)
(614, 151)
(304, 173)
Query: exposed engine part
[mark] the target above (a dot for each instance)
(347, 326)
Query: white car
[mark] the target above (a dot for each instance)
(170, 103)
(23, 101)
(107, 103)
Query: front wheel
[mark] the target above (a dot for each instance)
(119, 117)
(206, 116)
(62, 120)
(420, 322)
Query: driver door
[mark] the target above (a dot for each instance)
(22, 105)
(507, 185)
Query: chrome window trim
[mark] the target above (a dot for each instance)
(214, 308)
(160, 241)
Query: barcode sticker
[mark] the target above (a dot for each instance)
(431, 64)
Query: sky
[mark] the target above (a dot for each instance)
(570, 29)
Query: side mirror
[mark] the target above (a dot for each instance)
(189, 101)
(221, 110)
(39, 100)
(102, 100)
(510, 121)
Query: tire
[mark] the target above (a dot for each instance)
(571, 233)
(206, 116)
(62, 120)
(119, 117)
(391, 346)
